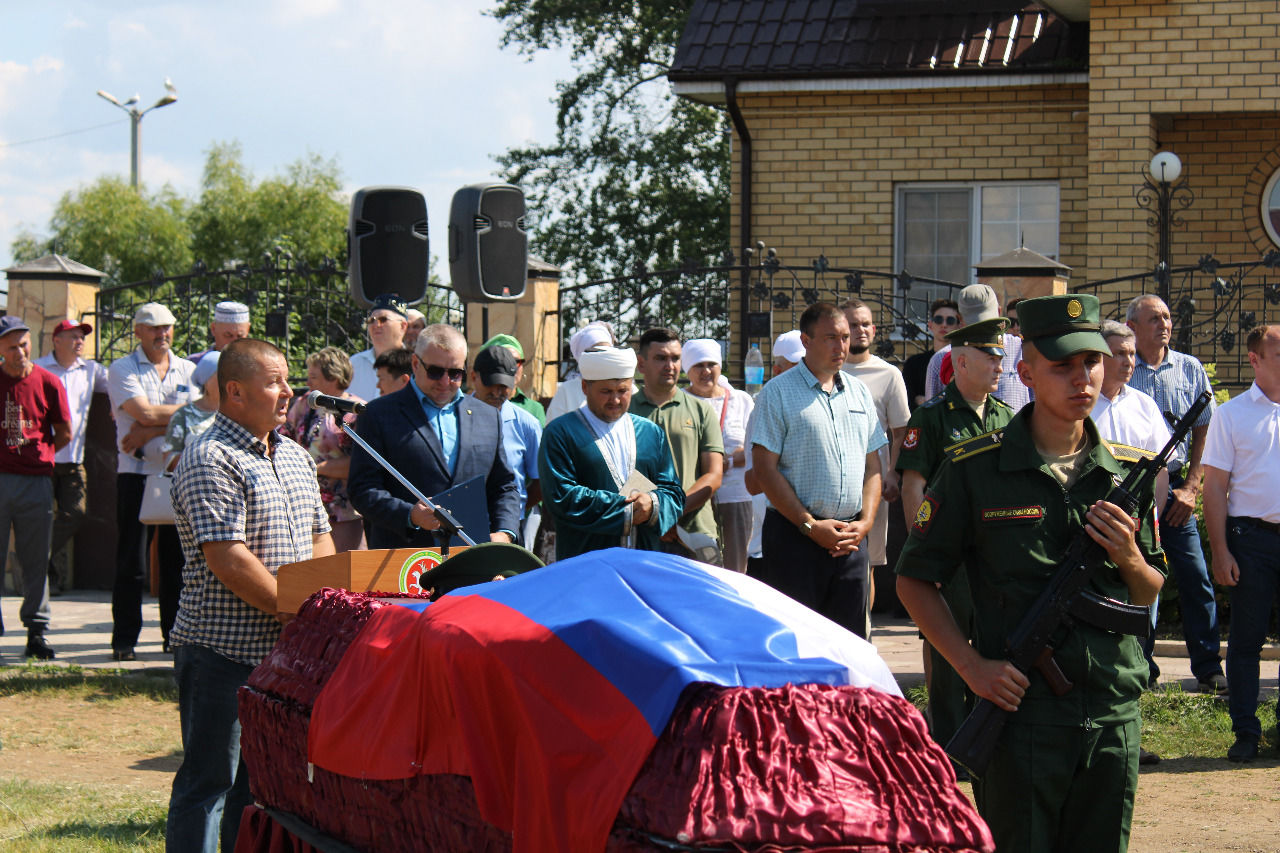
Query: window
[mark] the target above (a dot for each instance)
(944, 230)
(1271, 208)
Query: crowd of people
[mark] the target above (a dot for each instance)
(968, 470)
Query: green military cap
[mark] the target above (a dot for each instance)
(987, 336)
(1061, 326)
(479, 563)
(505, 341)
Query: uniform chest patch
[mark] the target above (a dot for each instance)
(925, 514)
(1013, 513)
(912, 441)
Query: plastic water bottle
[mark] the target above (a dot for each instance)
(754, 370)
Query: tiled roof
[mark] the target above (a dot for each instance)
(752, 39)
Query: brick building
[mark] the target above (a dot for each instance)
(932, 135)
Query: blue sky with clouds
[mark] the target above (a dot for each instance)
(407, 92)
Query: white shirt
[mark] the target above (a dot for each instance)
(82, 379)
(1132, 418)
(733, 486)
(1244, 441)
(617, 443)
(889, 391)
(364, 379)
(135, 376)
(568, 397)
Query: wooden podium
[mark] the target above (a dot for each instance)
(395, 570)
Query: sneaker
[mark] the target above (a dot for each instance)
(1214, 685)
(38, 647)
(1147, 758)
(123, 654)
(1244, 750)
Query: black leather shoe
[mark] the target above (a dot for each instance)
(38, 647)
(1147, 758)
(1244, 750)
(1214, 685)
(123, 654)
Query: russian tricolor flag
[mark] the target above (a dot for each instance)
(550, 689)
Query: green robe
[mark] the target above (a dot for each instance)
(580, 493)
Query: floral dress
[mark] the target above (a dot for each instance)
(320, 434)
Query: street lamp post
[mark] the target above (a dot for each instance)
(135, 119)
(1163, 196)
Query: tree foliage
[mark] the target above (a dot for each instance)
(635, 176)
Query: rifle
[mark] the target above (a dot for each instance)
(1063, 601)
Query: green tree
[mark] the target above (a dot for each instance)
(635, 176)
(128, 235)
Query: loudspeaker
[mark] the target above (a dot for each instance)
(488, 246)
(387, 245)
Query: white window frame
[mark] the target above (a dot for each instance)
(1264, 207)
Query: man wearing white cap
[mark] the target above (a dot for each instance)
(230, 323)
(82, 378)
(146, 387)
(608, 478)
(568, 394)
(788, 351)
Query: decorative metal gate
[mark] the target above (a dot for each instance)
(768, 296)
(298, 307)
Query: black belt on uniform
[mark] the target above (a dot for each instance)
(1270, 526)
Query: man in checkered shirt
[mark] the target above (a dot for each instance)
(246, 502)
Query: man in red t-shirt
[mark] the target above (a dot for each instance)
(36, 423)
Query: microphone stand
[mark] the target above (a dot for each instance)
(448, 524)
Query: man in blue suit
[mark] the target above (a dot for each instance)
(436, 438)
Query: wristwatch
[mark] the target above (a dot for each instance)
(807, 528)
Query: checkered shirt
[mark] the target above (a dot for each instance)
(227, 488)
(1174, 384)
(822, 440)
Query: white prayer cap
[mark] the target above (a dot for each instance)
(789, 346)
(593, 334)
(699, 350)
(230, 312)
(608, 363)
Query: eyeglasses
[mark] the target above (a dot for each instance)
(435, 372)
(944, 320)
(378, 321)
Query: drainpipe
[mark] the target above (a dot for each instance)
(744, 214)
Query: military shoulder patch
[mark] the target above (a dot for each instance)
(912, 439)
(935, 400)
(1126, 453)
(973, 446)
(925, 514)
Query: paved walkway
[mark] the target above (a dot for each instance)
(81, 634)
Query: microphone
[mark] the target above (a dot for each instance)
(316, 400)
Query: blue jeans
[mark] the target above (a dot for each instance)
(1257, 553)
(1195, 594)
(211, 787)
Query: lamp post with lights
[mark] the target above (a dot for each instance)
(135, 115)
(1164, 196)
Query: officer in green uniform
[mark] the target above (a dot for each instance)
(1064, 773)
(966, 409)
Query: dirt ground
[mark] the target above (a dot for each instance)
(1183, 806)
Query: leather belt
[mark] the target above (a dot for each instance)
(1270, 526)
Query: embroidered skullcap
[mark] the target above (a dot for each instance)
(608, 363)
(230, 312)
(699, 350)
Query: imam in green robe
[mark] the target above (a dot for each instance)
(580, 490)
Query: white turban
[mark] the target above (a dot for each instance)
(610, 363)
(699, 350)
(789, 346)
(593, 334)
(231, 312)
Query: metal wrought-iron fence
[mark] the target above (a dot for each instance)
(707, 301)
(1213, 306)
(296, 306)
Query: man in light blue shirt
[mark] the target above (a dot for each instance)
(815, 451)
(493, 380)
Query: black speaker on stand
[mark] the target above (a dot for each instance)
(488, 244)
(387, 244)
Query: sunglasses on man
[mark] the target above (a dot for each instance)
(435, 372)
(944, 320)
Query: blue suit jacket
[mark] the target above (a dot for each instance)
(396, 427)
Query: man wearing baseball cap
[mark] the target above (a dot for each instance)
(146, 386)
(518, 397)
(493, 381)
(36, 424)
(82, 378)
(1007, 505)
(386, 325)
